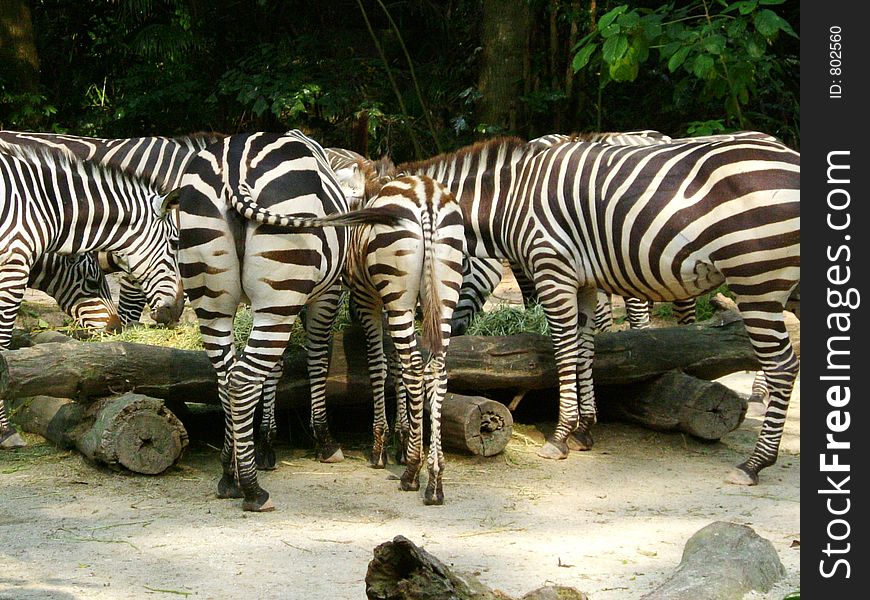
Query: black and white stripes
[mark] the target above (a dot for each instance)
(390, 269)
(285, 259)
(50, 202)
(665, 222)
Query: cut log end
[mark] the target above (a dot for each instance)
(475, 425)
(144, 443)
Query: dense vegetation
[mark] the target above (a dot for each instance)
(408, 77)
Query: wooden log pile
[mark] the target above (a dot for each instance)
(656, 377)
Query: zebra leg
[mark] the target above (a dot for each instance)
(559, 301)
(760, 393)
(436, 388)
(320, 316)
(684, 311)
(400, 324)
(265, 452)
(402, 426)
(773, 348)
(369, 313)
(581, 438)
(637, 311)
(218, 339)
(603, 312)
(13, 282)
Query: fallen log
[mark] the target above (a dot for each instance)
(706, 350)
(131, 431)
(401, 570)
(524, 362)
(675, 402)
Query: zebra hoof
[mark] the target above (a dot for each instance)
(260, 503)
(378, 459)
(228, 488)
(410, 481)
(11, 439)
(434, 495)
(266, 460)
(740, 476)
(580, 440)
(330, 455)
(553, 450)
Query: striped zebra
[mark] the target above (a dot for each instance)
(79, 287)
(664, 222)
(234, 244)
(51, 202)
(158, 160)
(389, 269)
(481, 276)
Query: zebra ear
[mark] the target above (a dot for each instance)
(164, 204)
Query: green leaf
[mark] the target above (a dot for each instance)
(609, 17)
(767, 23)
(770, 2)
(614, 48)
(678, 58)
(668, 50)
(581, 59)
(610, 30)
(624, 70)
(745, 7)
(703, 66)
(714, 44)
(628, 20)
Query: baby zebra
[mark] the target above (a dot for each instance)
(388, 270)
(50, 202)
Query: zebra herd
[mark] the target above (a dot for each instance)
(276, 221)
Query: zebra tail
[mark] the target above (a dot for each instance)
(246, 206)
(432, 336)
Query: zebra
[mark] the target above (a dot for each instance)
(390, 268)
(158, 160)
(234, 245)
(79, 287)
(665, 222)
(481, 276)
(51, 202)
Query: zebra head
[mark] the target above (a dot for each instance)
(151, 259)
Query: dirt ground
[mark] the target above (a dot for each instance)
(611, 522)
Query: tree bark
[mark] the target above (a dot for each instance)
(131, 431)
(504, 40)
(19, 61)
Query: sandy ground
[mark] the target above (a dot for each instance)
(611, 522)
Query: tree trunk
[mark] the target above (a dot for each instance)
(131, 431)
(400, 570)
(19, 61)
(504, 39)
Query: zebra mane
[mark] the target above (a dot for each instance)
(507, 144)
(200, 139)
(66, 161)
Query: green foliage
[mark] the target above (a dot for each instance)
(509, 320)
(723, 53)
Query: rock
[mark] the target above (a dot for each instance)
(555, 592)
(722, 561)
